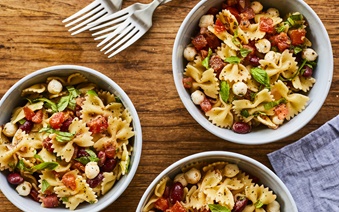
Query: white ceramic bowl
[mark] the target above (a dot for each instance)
(12, 99)
(323, 73)
(249, 165)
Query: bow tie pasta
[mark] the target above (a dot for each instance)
(218, 185)
(69, 144)
(243, 54)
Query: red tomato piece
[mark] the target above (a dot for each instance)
(98, 125)
(161, 204)
(28, 113)
(206, 105)
(266, 25)
(56, 120)
(187, 82)
(219, 26)
(37, 118)
(297, 36)
(69, 181)
(177, 207)
(282, 41)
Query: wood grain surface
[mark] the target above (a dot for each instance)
(32, 36)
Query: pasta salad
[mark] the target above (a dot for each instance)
(248, 66)
(68, 144)
(214, 187)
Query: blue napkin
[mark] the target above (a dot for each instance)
(310, 169)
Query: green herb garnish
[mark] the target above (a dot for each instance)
(261, 76)
(271, 105)
(224, 91)
(218, 208)
(69, 100)
(244, 52)
(233, 60)
(60, 136)
(206, 61)
(86, 159)
(44, 185)
(244, 113)
(46, 165)
(48, 103)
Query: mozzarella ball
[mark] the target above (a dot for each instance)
(192, 176)
(256, 7)
(309, 54)
(206, 20)
(92, 170)
(181, 179)
(10, 129)
(272, 56)
(277, 121)
(263, 45)
(54, 86)
(239, 88)
(197, 97)
(273, 207)
(189, 53)
(273, 12)
(24, 188)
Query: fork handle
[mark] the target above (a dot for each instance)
(166, 1)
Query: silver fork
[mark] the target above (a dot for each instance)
(128, 26)
(92, 12)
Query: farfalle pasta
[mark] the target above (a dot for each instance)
(216, 186)
(69, 144)
(239, 61)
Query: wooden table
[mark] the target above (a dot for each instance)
(32, 37)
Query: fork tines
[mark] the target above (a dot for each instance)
(91, 13)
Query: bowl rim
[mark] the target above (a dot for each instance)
(207, 155)
(243, 138)
(137, 147)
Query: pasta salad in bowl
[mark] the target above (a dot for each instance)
(252, 72)
(70, 139)
(217, 181)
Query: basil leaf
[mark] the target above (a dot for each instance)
(73, 94)
(233, 60)
(60, 136)
(244, 113)
(271, 105)
(38, 157)
(92, 93)
(261, 76)
(297, 50)
(218, 208)
(21, 166)
(235, 39)
(63, 103)
(44, 185)
(64, 199)
(22, 121)
(258, 204)
(224, 91)
(244, 52)
(46, 165)
(206, 61)
(86, 159)
(48, 103)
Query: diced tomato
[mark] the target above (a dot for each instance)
(219, 26)
(187, 82)
(98, 125)
(297, 36)
(281, 111)
(56, 120)
(282, 41)
(199, 42)
(161, 204)
(69, 181)
(266, 25)
(177, 207)
(37, 118)
(28, 113)
(206, 105)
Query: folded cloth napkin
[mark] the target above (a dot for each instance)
(310, 169)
